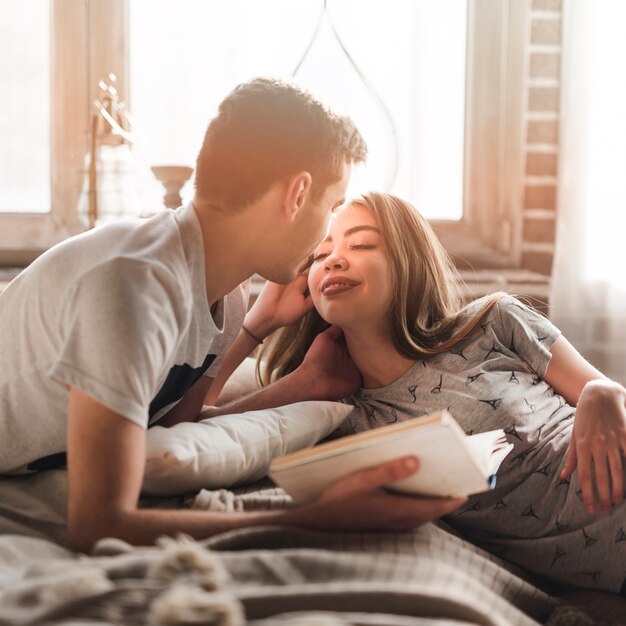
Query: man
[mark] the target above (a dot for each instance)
(125, 325)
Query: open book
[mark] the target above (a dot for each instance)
(451, 463)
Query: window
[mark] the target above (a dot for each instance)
(414, 128)
(46, 125)
(25, 171)
(458, 124)
(489, 235)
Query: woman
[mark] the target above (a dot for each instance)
(383, 277)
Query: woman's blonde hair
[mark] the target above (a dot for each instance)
(426, 311)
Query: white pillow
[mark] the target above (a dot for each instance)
(242, 382)
(230, 449)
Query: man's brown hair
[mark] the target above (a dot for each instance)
(267, 130)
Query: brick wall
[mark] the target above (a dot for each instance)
(542, 135)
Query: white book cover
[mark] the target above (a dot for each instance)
(451, 462)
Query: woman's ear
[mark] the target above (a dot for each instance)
(297, 192)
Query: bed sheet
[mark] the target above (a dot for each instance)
(265, 576)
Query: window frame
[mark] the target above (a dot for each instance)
(23, 235)
(490, 233)
(90, 40)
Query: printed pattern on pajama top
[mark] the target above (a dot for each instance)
(494, 379)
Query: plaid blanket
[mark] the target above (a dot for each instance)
(264, 576)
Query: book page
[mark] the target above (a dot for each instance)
(492, 448)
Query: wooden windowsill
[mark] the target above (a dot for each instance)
(519, 282)
(531, 285)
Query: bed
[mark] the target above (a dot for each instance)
(265, 576)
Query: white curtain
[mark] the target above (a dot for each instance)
(588, 300)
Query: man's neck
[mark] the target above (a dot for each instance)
(228, 251)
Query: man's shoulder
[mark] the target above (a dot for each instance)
(150, 251)
(138, 279)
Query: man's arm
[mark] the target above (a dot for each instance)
(307, 383)
(106, 457)
(190, 405)
(327, 373)
(275, 307)
(236, 353)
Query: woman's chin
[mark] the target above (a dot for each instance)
(339, 312)
(335, 318)
(332, 320)
(330, 317)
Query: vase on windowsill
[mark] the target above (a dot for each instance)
(173, 178)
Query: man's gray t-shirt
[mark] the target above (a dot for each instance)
(119, 312)
(494, 379)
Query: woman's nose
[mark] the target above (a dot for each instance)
(335, 262)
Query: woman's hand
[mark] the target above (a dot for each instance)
(279, 305)
(327, 368)
(598, 443)
(359, 502)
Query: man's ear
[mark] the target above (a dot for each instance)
(297, 192)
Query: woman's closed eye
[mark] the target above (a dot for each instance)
(353, 246)
(319, 256)
(362, 246)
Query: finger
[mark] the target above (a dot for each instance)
(304, 305)
(305, 266)
(585, 479)
(374, 477)
(301, 281)
(601, 472)
(570, 460)
(617, 476)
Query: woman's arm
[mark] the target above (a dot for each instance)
(568, 371)
(599, 437)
